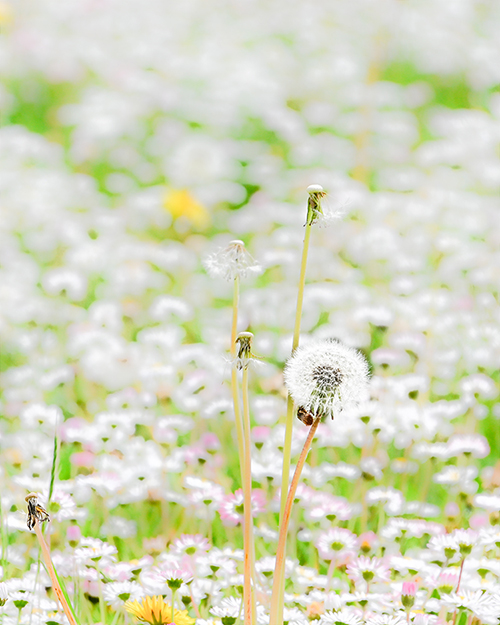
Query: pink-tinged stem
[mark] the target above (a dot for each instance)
(53, 577)
(277, 599)
(460, 574)
(248, 594)
(242, 422)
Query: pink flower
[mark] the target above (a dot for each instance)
(231, 506)
(408, 593)
(409, 588)
(369, 541)
(260, 433)
(73, 535)
(210, 441)
(82, 459)
(190, 544)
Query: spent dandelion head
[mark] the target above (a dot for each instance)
(324, 377)
(231, 262)
(36, 512)
(314, 209)
(323, 213)
(244, 355)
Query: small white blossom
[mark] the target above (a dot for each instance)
(325, 376)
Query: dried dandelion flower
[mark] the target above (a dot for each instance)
(317, 212)
(324, 377)
(231, 262)
(314, 209)
(244, 356)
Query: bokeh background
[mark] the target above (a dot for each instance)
(136, 139)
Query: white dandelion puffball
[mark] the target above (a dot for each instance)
(325, 376)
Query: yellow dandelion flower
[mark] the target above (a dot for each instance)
(180, 203)
(6, 15)
(156, 611)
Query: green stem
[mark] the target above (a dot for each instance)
(55, 458)
(289, 405)
(5, 542)
(234, 381)
(302, 281)
(287, 446)
(173, 599)
(116, 617)
(277, 598)
(246, 476)
(101, 597)
(249, 555)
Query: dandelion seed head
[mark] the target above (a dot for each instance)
(325, 376)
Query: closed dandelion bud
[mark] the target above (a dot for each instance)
(324, 377)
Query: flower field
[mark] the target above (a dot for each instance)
(162, 253)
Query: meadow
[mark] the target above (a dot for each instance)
(155, 201)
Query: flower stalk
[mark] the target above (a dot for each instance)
(232, 263)
(276, 599)
(51, 571)
(244, 355)
(234, 377)
(313, 210)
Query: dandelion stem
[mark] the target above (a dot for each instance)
(277, 602)
(287, 446)
(234, 325)
(289, 404)
(243, 437)
(234, 380)
(53, 577)
(249, 558)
